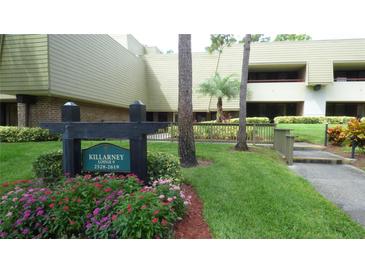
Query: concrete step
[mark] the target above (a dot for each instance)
(299, 146)
(313, 160)
(318, 156)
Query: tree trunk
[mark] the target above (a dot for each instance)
(185, 108)
(220, 115)
(241, 135)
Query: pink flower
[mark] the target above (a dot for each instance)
(154, 220)
(96, 211)
(9, 214)
(169, 199)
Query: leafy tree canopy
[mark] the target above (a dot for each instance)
(292, 37)
(219, 42)
(257, 38)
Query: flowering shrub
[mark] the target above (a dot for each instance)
(336, 135)
(356, 132)
(106, 206)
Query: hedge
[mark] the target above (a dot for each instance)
(249, 120)
(26, 134)
(312, 119)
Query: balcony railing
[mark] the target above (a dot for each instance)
(276, 81)
(345, 79)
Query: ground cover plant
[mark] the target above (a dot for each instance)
(244, 194)
(106, 206)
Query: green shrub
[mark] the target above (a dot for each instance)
(312, 119)
(251, 120)
(48, 166)
(163, 165)
(26, 134)
(159, 164)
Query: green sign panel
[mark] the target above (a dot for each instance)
(106, 157)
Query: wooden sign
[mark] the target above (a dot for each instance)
(106, 157)
(73, 131)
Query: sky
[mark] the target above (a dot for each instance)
(199, 41)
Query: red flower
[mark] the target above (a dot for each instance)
(156, 212)
(72, 222)
(165, 203)
(78, 200)
(154, 220)
(114, 217)
(143, 207)
(66, 208)
(60, 202)
(129, 207)
(87, 177)
(51, 205)
(53, 198)
(66, 199)
(48, 192)
(141, 197)
(98, 185)
(5, 184)
(105, 181)
(107, 189)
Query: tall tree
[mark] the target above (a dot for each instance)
(292, 37)
(185, 108)
(217, 43)
(241, 135)
(220, 87)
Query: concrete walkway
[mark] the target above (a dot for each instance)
(344, 185)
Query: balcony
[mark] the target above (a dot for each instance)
(279, 73)
(349, 72)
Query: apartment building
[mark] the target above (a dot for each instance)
(106, 73)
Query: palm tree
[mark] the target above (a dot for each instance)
(226, 87)
(241, 135)
(185, 108)
(217, 43)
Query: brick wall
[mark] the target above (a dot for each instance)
(49, 109)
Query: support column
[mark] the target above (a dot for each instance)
(23, 114)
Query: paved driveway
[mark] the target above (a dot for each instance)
(344, 185)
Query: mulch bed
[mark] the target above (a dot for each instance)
(360, 157)
(193, 225)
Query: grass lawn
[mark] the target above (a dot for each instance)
(245, 195)
(311, 133)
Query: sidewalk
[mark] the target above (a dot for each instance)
(344, 185)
